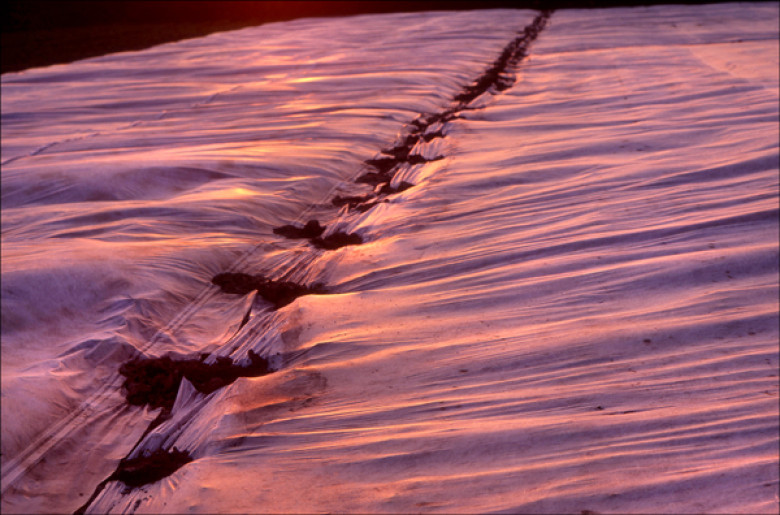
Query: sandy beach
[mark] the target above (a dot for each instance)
(496, 261)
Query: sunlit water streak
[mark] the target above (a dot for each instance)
(575, 310)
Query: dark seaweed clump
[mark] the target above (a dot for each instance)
(135, 472)
(337, 240)
(312, 229)
(386, 189)
(142, 470)
(278, 293)
(155, 381)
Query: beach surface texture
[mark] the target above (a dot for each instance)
(460, 261)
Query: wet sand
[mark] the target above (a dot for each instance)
(552, 287)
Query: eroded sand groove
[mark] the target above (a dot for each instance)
(156, 382)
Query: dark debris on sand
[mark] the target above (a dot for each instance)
(155, 381)
(278, 293)
(243, 283)
(312, 229)
(337, 240)
(135, 472)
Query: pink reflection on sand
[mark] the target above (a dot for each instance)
(574, 310)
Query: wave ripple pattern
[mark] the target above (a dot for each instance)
(575, 309)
